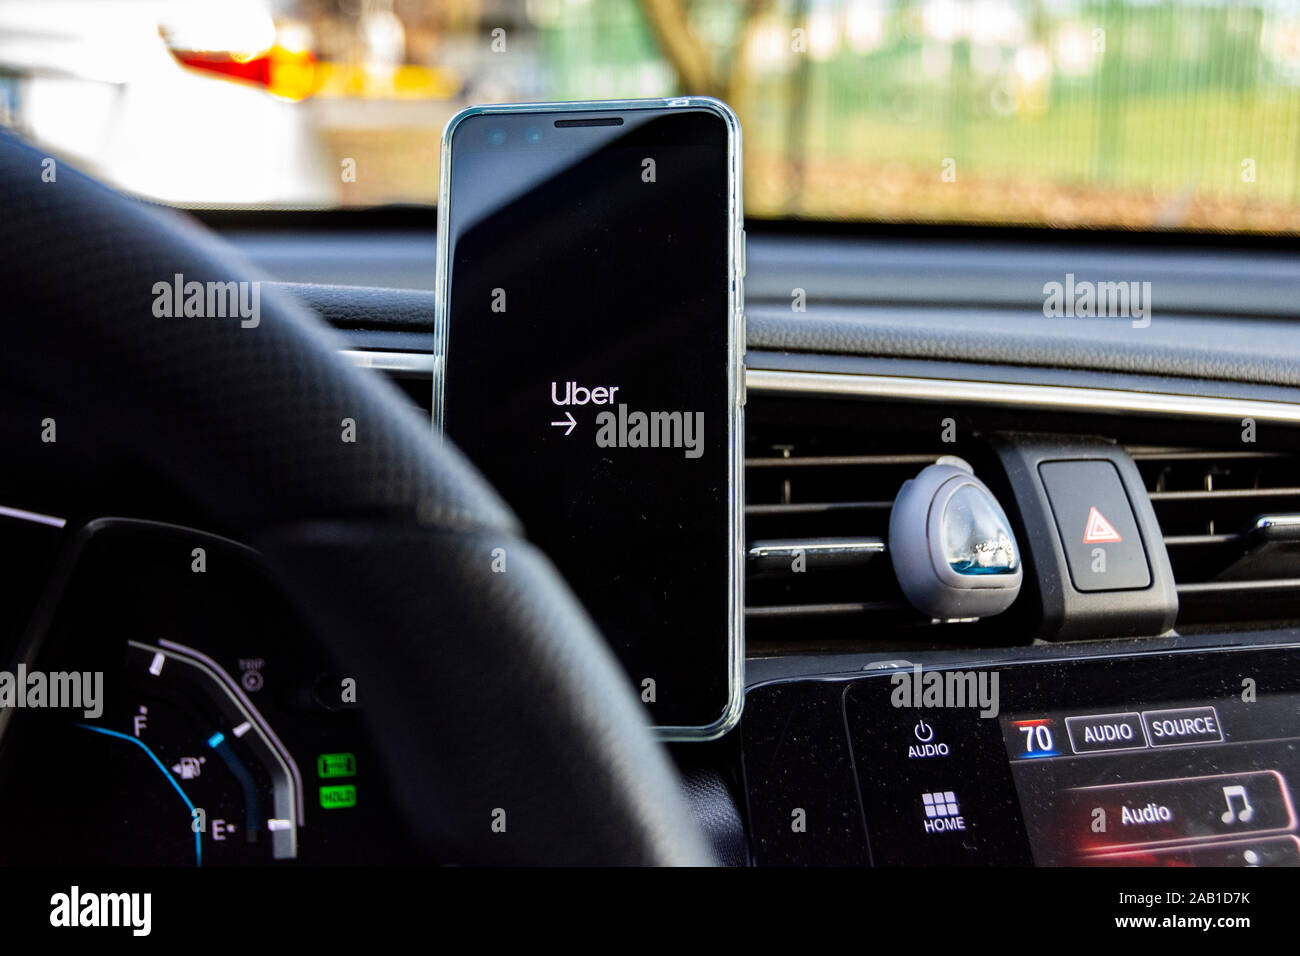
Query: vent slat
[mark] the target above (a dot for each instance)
(840, 461)
(812, 554)
(1199, 540)
(818, 507)
(1197, 454)
(1208, 501)
(823, 610)
(1224, 494)
(1227, 587)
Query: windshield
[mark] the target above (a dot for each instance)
(1110, 114)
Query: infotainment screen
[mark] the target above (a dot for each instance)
(1191, 782)
(1175, 759)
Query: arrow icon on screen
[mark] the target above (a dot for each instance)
(571, 424)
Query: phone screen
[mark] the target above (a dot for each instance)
(590, 368)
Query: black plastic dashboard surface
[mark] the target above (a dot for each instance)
(1216, 311)
(1169, 759)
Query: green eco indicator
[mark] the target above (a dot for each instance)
(336, 765)
(338, 797)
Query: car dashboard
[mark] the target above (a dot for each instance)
(1153, 721)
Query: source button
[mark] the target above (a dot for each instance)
(1190, 725)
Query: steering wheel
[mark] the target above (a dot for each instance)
(485, 691)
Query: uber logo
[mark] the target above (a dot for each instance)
(574, 394)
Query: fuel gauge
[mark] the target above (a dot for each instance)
(219, 777)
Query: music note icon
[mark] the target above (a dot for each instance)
(1246, 811)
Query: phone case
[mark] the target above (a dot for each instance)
(730, 715)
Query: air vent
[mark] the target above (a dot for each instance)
(1230, 519)
(1231, 524)
(816, 523)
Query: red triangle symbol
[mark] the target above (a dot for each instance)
(1099, 529)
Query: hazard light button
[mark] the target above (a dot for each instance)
(1095, 520)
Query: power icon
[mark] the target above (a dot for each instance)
(923, 748)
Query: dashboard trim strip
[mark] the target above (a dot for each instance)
(1103, 400)
(414, 363)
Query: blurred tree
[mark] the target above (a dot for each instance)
(699, 71)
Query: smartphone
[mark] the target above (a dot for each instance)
(589, 361)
